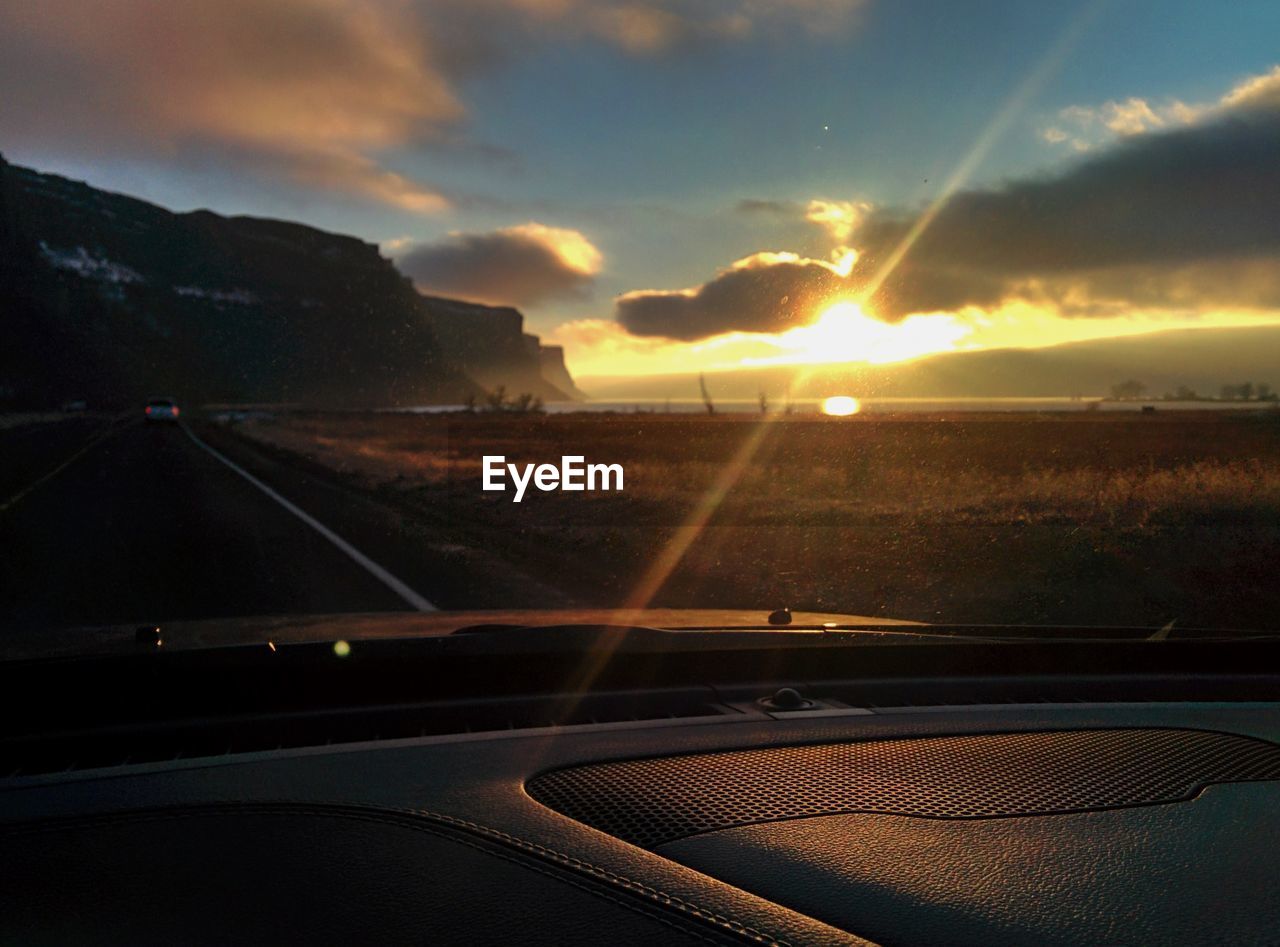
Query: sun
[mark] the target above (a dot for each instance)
(844, 333)
(841, 406)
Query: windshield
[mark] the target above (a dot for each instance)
(917, 311)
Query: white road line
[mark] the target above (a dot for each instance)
(377, 571)
(93, 442)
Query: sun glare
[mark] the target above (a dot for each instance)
(844, 333)
(841, 406)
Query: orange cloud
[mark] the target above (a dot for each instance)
(654, 27)
(1261, 91)
(311, 89)
(838, 218)
(515, 266)
(355, 174)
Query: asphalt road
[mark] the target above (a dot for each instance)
(104, 523)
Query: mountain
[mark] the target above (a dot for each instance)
(491, 345)
(1201, 359)
(111, 299)
(555, 371)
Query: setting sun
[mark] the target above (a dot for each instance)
(841, 406)
(844, 333)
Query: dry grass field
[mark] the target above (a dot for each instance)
(1092, 518)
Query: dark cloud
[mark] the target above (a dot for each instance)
(516, 266)
(752, 205)
(764, 293)
(1205, 196)
(1187, 219)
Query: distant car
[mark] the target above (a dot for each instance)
(162, 409)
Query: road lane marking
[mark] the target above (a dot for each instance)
(92, 443)
(377, 571)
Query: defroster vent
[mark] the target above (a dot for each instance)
(653, 801)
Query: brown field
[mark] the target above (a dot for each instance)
(1088, 518)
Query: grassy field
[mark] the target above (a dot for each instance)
(1088, 517)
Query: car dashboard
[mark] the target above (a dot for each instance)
(960, 793)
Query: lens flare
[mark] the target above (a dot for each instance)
(841, 406)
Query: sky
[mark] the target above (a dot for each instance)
(687, 185)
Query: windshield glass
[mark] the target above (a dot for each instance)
(921, 311)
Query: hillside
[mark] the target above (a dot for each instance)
(490, 344)
(107, 298)
(1201, 359)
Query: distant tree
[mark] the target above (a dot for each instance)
(1128, 390)
(1185, 394)
(496, 400)
(764, 403)
(1242, 392)
(469, 403)
(1265, 393)
(706, 395)
(524, 401)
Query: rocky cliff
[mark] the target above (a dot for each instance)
(108, 298)
(492, 347)
(556, 372)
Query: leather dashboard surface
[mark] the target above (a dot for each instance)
(1192, 873)
(437, 839)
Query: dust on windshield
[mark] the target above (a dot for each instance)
(899, 311)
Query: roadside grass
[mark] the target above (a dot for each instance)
(967, 518)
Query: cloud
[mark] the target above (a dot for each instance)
(310, 90)
(1152, 204)
(838, 218)
(1257, 92)
(515, 266)
(315, 92)
(1132, 117)
(773, 208)
(646, 29)
(656, 27)
(835, 219)
(355, 174)
(765, 292)
(1091, 125)
(1183, 218)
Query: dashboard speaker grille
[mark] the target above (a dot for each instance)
(650, 802)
